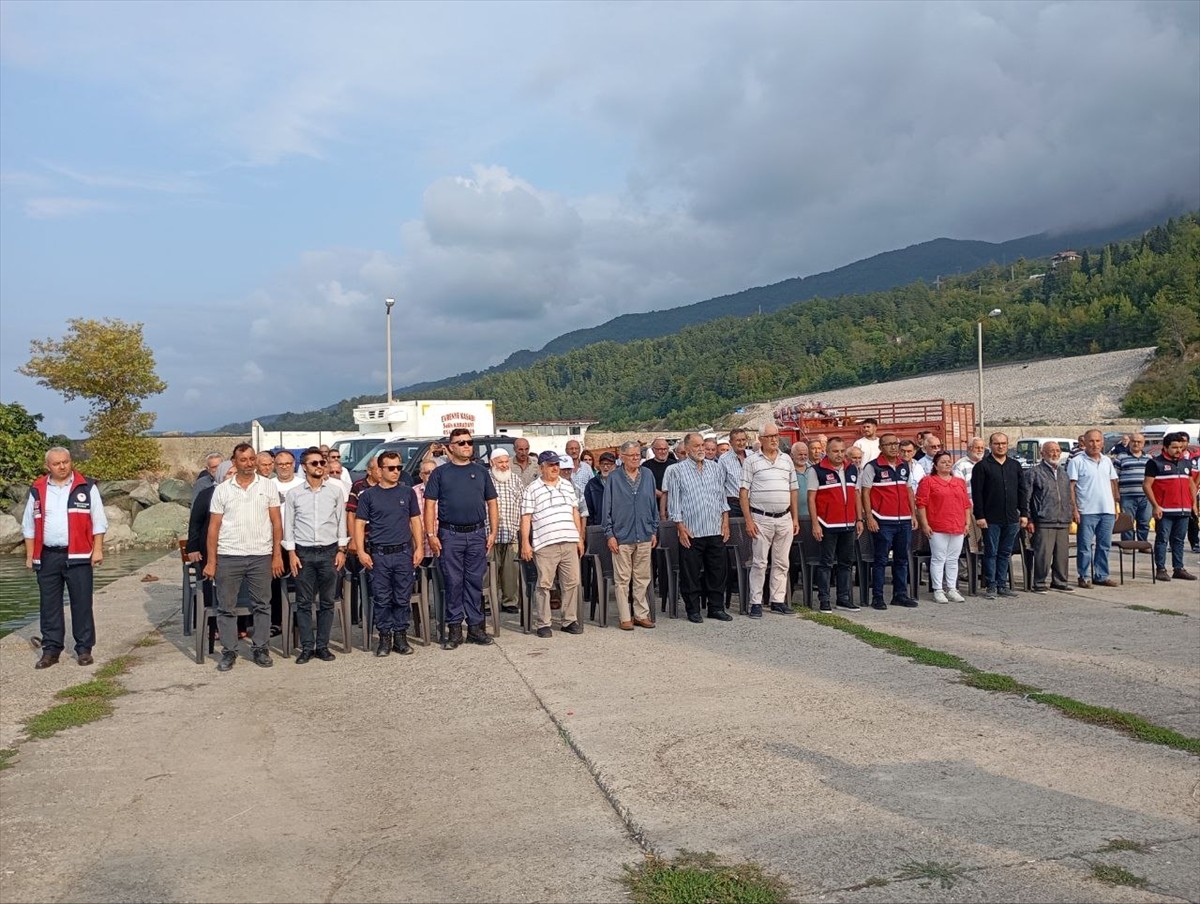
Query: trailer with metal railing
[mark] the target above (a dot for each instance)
(954, 422)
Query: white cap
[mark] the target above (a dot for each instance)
(498, 453)
(564, 461)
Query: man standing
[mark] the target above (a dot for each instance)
(920, 468)
(1094, 495)
(286, 479)
(264, 462)
(64, 527)
(998, 501)
(397, 546)
(509, 490)
(581, 471)
(802, 464)
(710, 449)
(767, 500)
(593, 493)
(1131, 473)
(976, 448)
(657, 466)
(333, 463)
(1049, 508)
(207, 477)
(467, 517)
(837, 521)
(629, 516)
(244, 534)
(314, 534)
(889, 506)
(523, 466)
(696, 502)
(732, 463)
(868, 442)
(552, 536)
(1170, 485)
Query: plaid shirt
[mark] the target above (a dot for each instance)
(508, 499)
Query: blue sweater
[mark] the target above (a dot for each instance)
(630, 510)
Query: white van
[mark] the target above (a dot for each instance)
(1028, 450)
(1154, 433)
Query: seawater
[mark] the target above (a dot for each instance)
(18, 585)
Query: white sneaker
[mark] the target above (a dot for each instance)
(955, 597)
(939, 596)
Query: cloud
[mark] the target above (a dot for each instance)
(62, 208)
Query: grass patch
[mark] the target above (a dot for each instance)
(1128, 723)
(6, 754)
(1140, 608)
(150, 640)
(1115, 875)
(946, 874)
(118, 665)
(694, 877)
(67, 715)
(1124, 844)
(100, 688)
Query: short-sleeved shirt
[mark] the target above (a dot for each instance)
(245, 516)
(1093, 484)
(462, 493)
(387, 512)
(552, 512)
(770, 483)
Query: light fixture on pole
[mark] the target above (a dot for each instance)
(994, 312)
(390, 303)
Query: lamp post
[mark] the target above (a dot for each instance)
(391, 303)
(994, 312)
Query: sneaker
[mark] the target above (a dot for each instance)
(573, 628)
(228, 658)
(1007, 592)
(781, 608)
(1062, 588)
(848, 605)
(1161, 574)
(1195, 548)
(545, 632)
(1182, 574)
(954, 596)
(756, 611)
(879, 604)
(990, 593)
(939, 596)
(825, 607)
(1040, 588)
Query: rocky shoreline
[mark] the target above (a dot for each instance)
(145, 514)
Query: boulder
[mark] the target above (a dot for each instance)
(10, 531)
(17, 493)
(117, 515)
(119, 535)
(174, 490)
(116, 489)
(145, 494)
(162, 521)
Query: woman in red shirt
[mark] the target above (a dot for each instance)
(944, 513)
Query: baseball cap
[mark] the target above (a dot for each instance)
(548, 457)
(565, 463)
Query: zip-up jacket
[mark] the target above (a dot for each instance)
(996, 490)
(835, 495)
(79, 518)
(1048, 495)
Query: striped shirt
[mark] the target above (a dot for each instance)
(552, 510)
(315, 517)
(696, 496)
(731, 467)
(508, 500)
(245, 516)
(771, 483)
(1131, 471)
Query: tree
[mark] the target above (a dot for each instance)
(22, 444)
(107, 363)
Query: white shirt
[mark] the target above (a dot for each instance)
(285, 488)
(1093, 484)
(54, 511)
(552, 512)
(870, 448)
(245, 517)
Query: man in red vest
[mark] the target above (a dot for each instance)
(64, 529)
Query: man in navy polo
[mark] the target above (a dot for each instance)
(396, 549)
(467, 516)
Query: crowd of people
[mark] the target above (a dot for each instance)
(256, 520)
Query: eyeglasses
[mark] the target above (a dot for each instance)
(463, 442)
(316, 462)
(390, 468)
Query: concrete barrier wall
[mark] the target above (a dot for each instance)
(183, 456)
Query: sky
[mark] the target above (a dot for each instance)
(251, 180)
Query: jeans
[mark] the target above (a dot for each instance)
(1169, 529)
(1138, 507)
(1094, 531)
(895, 536)
(998, 540)
(315, 582)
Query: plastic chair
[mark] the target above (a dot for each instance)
(191, 586)
(208, 622)
(740, 549)
(919, 553)
(666, 561)
(809, 551)
(597, 552)
(528, 589)
(1125, 522)
(290, 635)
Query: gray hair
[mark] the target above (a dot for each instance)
(54, 449)
(211, 455)
(629, 445)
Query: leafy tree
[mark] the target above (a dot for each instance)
(108, 363)
(22, 444)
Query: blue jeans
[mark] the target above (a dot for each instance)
(1170, 529)
(897, 537)
(1094, 530)
(998, 540)
(1138, 507)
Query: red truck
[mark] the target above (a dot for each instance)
(954, 422)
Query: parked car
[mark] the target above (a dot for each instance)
(412, 451)
(1028, 450)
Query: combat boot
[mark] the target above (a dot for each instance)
(454, 637)
(400, 643)
(478, 634)
(385, 643)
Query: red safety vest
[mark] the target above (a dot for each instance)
(835, 496)
(79, 518)
(1173, 484)
(889, 491)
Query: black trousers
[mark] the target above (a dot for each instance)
(702, 574)
(315, 582)
(53, 575)
(837, 551)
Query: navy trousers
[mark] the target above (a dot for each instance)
(391, 589)
(53, 574)
(894, 537)
(464, 563)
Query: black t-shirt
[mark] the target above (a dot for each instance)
(658, 469)
(388, 511)
(461, 491)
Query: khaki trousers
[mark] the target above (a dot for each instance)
(775, 540)
(559, 560)
(506, 557)
(631, 573)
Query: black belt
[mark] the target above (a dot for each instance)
(55, 549)
(770, 514)
(389, 550)
(324, 548)
(463, 528)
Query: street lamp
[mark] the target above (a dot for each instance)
(391, 303)
(994, 312)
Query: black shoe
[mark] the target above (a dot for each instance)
(1062, 588)
(879, 604)
(825, 607)
(848, 605)
(509, 609)
(545, 632)
(1006, 592)
(478, 634)
(1039, 588)
(695, 617)
(720, 615)
(324, 655)
(990, 593)
(400, 643)
(228, 658)
(454, 637)
(304, 656)
(781, 608)
(263, 658)
(573, 628)
(905, 602)
(276, 630)
(385, 643)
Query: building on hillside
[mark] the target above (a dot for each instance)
(1064, 257)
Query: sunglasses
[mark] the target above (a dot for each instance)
(390, 468)
(463, 442)
(316, 462)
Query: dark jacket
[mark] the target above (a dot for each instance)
(198, 522)
(593, 498)
(1048, 495)
(997, 490)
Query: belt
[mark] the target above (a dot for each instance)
(462, 528)
(325, 548)
(770, 514)
(55, 549)
(389, 550)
